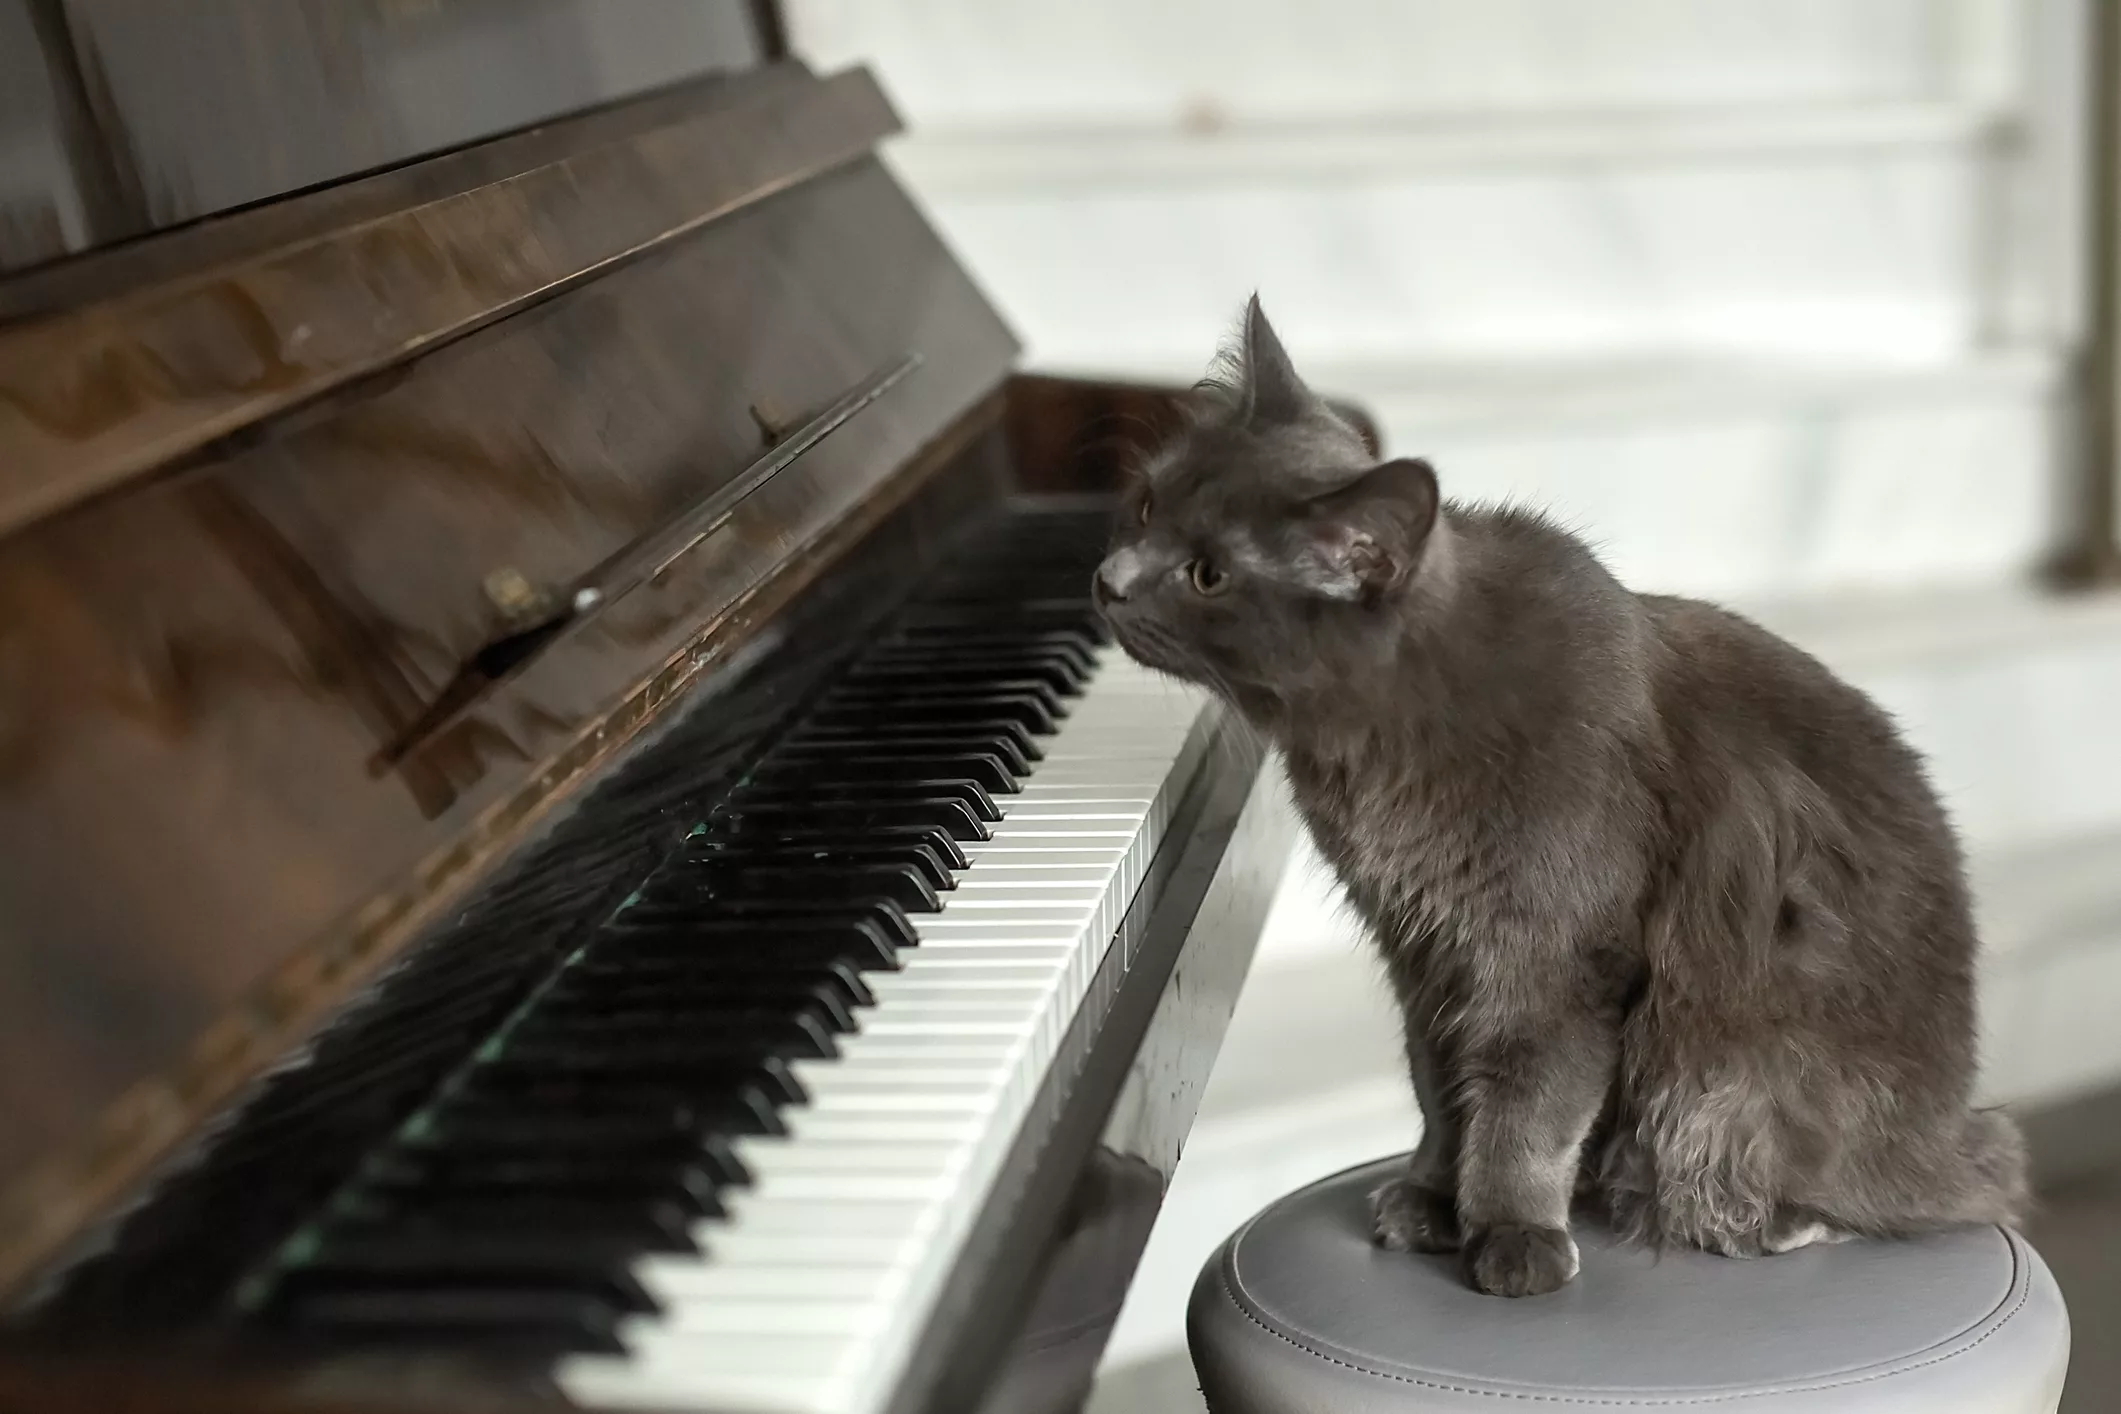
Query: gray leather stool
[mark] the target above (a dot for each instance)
(1299, 1314)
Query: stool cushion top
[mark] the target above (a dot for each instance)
(1300, 1312)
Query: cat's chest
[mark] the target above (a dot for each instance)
(1407, 853)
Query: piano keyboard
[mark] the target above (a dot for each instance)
(726, 1155)
(815, 1284)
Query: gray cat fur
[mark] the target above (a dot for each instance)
(1678, 929)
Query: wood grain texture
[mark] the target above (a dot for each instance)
(112, 387)
(128, 116)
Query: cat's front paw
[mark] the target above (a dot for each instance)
(1405, 1216)
(1516, 1259)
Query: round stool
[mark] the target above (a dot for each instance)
(1299, 1314)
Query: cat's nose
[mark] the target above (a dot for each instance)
(1115, 578)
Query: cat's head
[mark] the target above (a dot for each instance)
(1263, 536)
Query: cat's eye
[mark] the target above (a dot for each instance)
(1142, 515)
(1206, 577)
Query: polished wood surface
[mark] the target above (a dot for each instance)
(205, 666)
(108, 388)
(119, 117)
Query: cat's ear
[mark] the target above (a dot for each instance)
(1361, 541)
(1272, 390)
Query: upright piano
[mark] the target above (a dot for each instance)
(569, 836)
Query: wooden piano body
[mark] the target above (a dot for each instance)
(392, 575)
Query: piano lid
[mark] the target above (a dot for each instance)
(342, 537)
(119, 117)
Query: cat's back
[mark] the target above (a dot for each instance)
(1734, 696)
(1526, 549)
(1534, 596)
(1735, 670)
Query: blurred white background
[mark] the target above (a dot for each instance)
(1780, 301)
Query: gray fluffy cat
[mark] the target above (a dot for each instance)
(1676, 924)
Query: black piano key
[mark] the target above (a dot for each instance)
(678, 1011)
(887, 696)
(652, 1045)
(1077, 658)
(660, 929)
(563, 1105)
(713, 1052)
(1027, 709)
(836, 991)
(934, 841)
(971, 795)
(1072, 659)
(228, 1192)
(1002, 618)
(722, 1050)
(1008, 740)
(670, 1126)
(1074, 640)
(868, 744)
(612, 1207)
(443, 1262)
(1064, 669)
(972, 639)
(968, 675)
(835, 986)
(691, 1182)
(838, 768)
(952, 817)
(706, 888)
(527, 1217)
(787, 1024)
(494, 1321)
(553, 1073)
(672, 929)
(710, 852)
(785, 947)
(566, 1181)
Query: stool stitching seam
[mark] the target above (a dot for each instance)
(1223, 1269)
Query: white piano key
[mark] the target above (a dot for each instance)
(1013, 907)
(932, 990)
(911, 1014)
(885, 1088)
(791, 1378)
(1024, 857)
(847, 1317)
(759, 1223)
(930, 980)
(1032, 960)
(1037, 862)
(956, 1065)
(1053, 812)
(765, 1156)
(805, 1185)
(997, 928)
(973, 997)
(913, 1127)
(702, 1283)
(765, 1248)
